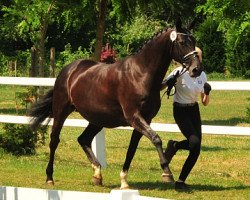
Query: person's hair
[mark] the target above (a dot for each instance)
(199, 51)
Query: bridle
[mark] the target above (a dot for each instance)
(189, 55)
(185, 67)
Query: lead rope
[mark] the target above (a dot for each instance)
(183, 70)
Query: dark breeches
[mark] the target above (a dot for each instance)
(189, 121)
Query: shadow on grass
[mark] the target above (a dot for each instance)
(163, 186)
(213, 148)
(228, 122)
(200, 187)
(152, 148)
(12, 111)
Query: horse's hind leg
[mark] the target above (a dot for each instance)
(59, 119)
(85, 140)
(134, 141)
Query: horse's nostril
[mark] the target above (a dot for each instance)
(195, 69)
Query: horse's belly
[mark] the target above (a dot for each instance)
(104, 119)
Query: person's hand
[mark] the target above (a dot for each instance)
(172, 80)
(207, 88)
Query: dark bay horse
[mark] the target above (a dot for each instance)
(125, 93)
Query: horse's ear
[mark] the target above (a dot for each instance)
(192, 24)
(178, 24)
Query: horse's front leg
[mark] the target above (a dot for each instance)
(134, 141)
(85, 140)
(143, 127)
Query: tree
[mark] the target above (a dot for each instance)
(233, 17)
(210, 40)
(30, 19)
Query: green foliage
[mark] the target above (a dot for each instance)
(233, 17)
(211, 42)
(20, 140)
(224, 34)
(133, 35)
(238, 46)
(248, 114)
(22, 59)
(3, 64)
(23, 62)
(67, 56)
(24, 99)
(25, 18)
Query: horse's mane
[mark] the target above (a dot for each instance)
(156, 35)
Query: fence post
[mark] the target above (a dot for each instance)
(99, 148)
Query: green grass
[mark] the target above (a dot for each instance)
(222, 171)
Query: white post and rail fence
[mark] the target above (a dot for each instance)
(98, 144)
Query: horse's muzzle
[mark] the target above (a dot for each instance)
(196, 71)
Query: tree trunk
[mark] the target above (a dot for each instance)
(41, 41)
(100, 29)
(41, 57)
(33, 67)
(52, 62)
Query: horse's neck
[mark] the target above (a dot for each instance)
(154, 59)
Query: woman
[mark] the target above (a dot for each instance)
(187, 116)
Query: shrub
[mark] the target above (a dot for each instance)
(131, 36)
(211, 42)
(3, 64)
(248, 113)
(20, 139)
(67, 56)
(247, 74)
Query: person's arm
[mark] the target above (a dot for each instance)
(205, 95)
(204, 99)
(164, 84)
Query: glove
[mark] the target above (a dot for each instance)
(207, 88)
(171, 82)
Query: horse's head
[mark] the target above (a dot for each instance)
(183, 50)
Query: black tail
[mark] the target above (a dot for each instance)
(41, 110)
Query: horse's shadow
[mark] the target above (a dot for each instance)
(195, 187)
(213, 148)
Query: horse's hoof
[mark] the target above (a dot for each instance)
(125, 188)
(167, 178)
(50, 182)
(97, 181)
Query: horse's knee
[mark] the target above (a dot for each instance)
(156, 140)
(85, 144)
